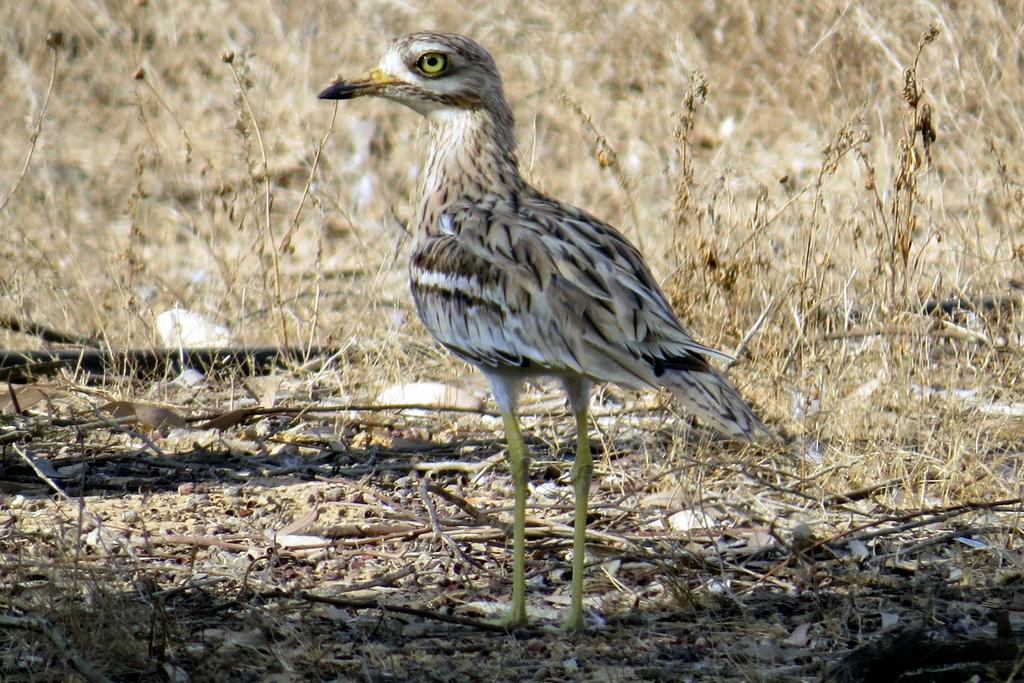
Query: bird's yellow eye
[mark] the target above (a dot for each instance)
(432, 63)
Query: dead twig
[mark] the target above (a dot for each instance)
(117, 425)
(45, 333)
(197, 541)
(934, 515)
(951, 331)
(263, 175)
(53, 41)
(16, 435)
(905, 522)
(401, 609)
(440, 533)
(478, 516)
(442, 466)
(287, 239)
(859, 494)
(149, 363)
(24, 455)
(363, 540)
(84, 667)
(766, 314)
(385, 580)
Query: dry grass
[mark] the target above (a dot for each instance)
(771, 162)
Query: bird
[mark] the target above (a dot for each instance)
(522, 285)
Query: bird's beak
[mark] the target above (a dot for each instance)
(367, 84)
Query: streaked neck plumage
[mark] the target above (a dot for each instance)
(472, 157)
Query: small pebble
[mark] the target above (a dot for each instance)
(803, 537)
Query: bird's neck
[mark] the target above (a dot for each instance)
(471, 158)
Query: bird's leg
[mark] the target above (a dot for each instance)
(519, 465)
(582, 472)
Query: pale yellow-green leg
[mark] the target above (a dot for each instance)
(519, 465)
(582, 472)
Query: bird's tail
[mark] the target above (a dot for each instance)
(710, 397)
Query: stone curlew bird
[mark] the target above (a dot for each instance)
(522, 285)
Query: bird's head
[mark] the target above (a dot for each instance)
(432, 73)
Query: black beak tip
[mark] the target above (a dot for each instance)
(336, 91)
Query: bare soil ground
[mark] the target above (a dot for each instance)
(832, 189)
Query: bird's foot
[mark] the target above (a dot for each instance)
(513, 621)
(573, 621)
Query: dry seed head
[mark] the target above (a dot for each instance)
(54, 39)
(910, 91)
(852, 135)
(924, 125)
(1002, 169)
(697, 93)
(869, 169)
(929, 35)
(604, 154)
(908, 164)
(695, 96)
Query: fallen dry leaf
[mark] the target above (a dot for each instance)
(19, 398)
(229, 419)
(799, 637)
(147, 414)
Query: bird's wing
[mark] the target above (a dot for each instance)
(536, 282)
